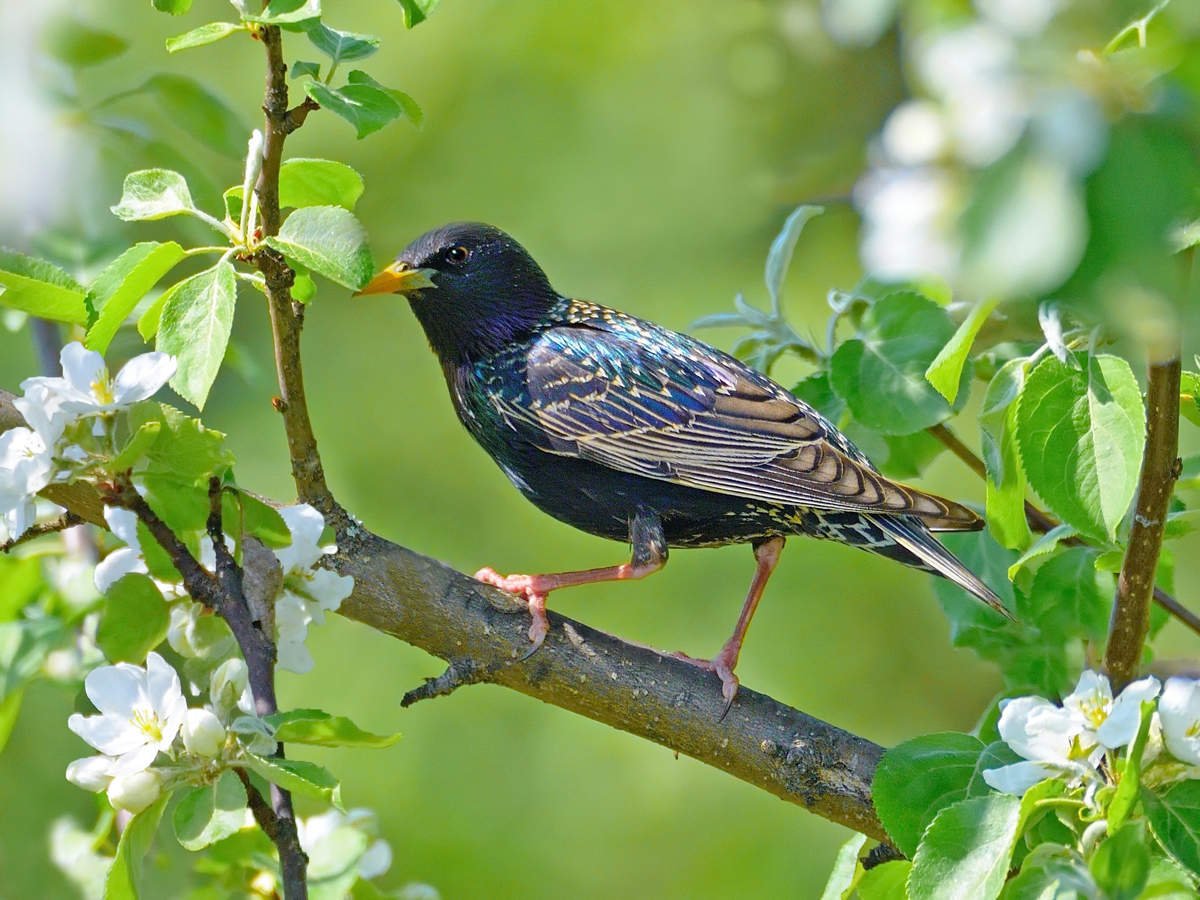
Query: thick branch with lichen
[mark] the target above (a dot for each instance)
(423, 602)
(1160, 467)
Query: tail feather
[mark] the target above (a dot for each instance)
(914, 537)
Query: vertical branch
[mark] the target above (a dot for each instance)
(287, 316)
(1160, 467)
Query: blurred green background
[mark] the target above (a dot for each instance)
(645, 154)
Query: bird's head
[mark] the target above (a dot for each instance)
(473, 288)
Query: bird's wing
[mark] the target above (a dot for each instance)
(654, 403)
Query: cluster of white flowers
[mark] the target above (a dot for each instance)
(982, 93)
(1070, 741)
(142, 714)
(49, 450)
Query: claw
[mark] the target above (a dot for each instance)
(524, 586)
(721, 666)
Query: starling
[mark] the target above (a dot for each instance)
(630, 431)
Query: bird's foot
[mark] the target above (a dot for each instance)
(525, 586)
(722, 664)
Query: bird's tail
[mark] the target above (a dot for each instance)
(913, 536)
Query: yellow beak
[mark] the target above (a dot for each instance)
(398, 278)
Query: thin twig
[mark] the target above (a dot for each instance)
(261, 809)
(459, 673)
(58, 523)
(1160, 467)
(1042, 522)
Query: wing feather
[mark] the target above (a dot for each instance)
(650, 402)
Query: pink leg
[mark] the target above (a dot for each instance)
(766, 555)
(535, 587)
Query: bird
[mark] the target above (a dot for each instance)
(630, 431)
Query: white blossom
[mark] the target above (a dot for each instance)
(1047, 736)
(229, 689)
(26, 466)
(86, 389)
(1179, 710)
(314, 830)
(92, 773)
(1068, 740)
(124, 560)
(308, 592)
(1113, 723)
(141, 711)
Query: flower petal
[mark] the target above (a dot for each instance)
(115, 566)
(135, 760)
(1037, 729)
(1019, 777)
(123, 523)
(1121, 726)
(112, 735)
(115, 689)
(306, 525)
(1179, 710)
(82, 367)
(92, 773)
(142, 376)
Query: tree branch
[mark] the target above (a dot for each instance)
(1160, 467)
(425, 603)
(1043, 522)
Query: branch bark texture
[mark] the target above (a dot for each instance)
(1160, 467)
(423, 602)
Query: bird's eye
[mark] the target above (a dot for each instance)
(458, 255)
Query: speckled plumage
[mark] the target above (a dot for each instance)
(607, 422)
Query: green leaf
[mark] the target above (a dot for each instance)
(211, 812)
(1069, 598)
(136, 447)
(1169, 881)
(1189, 396)
(289, 13)
(134, 620)
(945, 372)
(304, 288)
(297, 776)
(341, 46)
(364, 103)
(1043, 546)
(153, 194)
(10, 708)
(24, 645)
(244, 514)
(185, 450)
(301, 68)
(196, 321)
(205, 34)
(1121, 864)
(779, 258)
(79, 45)
(416, 11)
(1174, 816)
(917, 779)
(1081, 432)
(195, 109)
(1131, 771)
(328, 240)
(124, 880)
(846, 870)
(1052, 872)
(314, 726)
(886, 882)
(1005, 476)
(881, 374)
(117, 289)
(966, 850)
(318, 182)
(40, 288)
(173, 7)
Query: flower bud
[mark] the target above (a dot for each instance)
(203, 733)
(228, 688)
(136, 791)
